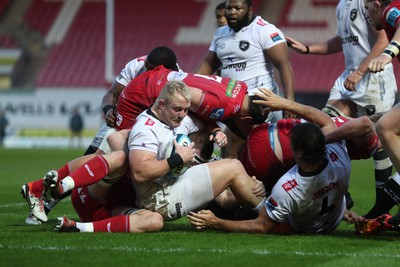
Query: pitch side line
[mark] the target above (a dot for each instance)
(216, 251)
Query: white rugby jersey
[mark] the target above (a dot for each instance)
(241, 53)
(132, 69)
(313, 204)
(152, 135)
(354, 28)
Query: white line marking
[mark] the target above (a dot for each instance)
(216, 251)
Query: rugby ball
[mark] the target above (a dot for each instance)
(182, 140)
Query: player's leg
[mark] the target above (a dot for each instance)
(94, 170)
(138, 221)
(388, 130)
(231, 173)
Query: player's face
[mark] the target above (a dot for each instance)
(220, 16)
(374, 9)
(237, 14)
(174, 113)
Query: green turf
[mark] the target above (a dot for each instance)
(177, 245)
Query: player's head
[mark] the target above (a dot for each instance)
(161, 55)
(256, 111)
(307, 143)
(173, 103)
(238, 13)
(375, 9)
(220, 14)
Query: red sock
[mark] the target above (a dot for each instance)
(118, 224)
(91, 172)
(63, 171)
(36, 188)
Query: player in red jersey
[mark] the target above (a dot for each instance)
(213, 98)
(267, 153)
(385, 14)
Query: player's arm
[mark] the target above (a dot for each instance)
(360, 129)
(206, 219)
(109, 101)
(356, 76)
(145, 166)
(331, 46)
(209, 64)
(391, 51)
(274, 102)
(279, 56)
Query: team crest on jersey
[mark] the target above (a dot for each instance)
(275, 37)
(289, 185)
(271, 204)
(353, 14)
(392, 16)
(244, 45)
(149, 122)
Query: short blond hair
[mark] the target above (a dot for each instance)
(172, 89)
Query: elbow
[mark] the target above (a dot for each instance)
(138, 177)
(366, 125)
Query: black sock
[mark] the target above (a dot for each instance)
(383, 170)
(389, 198)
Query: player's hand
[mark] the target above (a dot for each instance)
(378, 64)
(220, 138)
(350, 216)
(203, 219)
(187, 153)
(110, 118)
(259, 188)
(272, 101)
(352, 80)
(296, 45)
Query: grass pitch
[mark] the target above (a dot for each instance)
(178, 244)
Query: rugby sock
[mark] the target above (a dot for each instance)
(89, 173)
(383, 170)
(117, 224)
(63, 171)
(36, 188)
(389, 198)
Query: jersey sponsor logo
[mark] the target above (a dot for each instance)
(333, 156)
(321, 192)
(289, 185)
(244, 45)
(275, 37)
(353, 14)
(217, 113)
(271, 204)
(392, 15)
(236, 66)
(353, 39)
(149, 122)
(261, 22)
(233, 89)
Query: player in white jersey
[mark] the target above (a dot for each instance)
(357, 91)
(149, 162)
(309, 198)
(247, 49)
